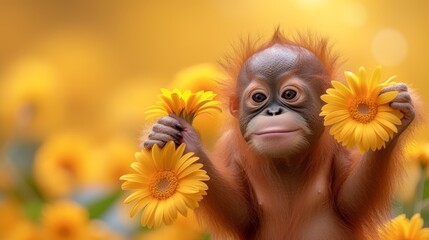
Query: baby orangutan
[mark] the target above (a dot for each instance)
(277, 173)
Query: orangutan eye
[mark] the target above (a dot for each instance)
(289, 94)
(259, 97)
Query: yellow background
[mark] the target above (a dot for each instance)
(115, 41)
(96, 48)
(76, 76)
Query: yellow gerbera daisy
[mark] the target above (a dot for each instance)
(166, 182)
(359, 113)
(187, 105)
(402, 228)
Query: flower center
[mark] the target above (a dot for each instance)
(363, 110)
(64, 230)
(163, 184)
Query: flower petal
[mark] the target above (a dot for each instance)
(147, 218)
(387, 97)
(139, 194)
(142, 203)
(389, 117)
(189, 170)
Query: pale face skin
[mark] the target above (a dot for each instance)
(297, 182)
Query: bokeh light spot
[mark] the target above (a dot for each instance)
(389, 47)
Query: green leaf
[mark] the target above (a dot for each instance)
(144, 229)
(99, 207)
(425, 216)
(420, 190)
(206, 236)
(33, 210)
(426, 189)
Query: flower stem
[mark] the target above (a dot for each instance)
(418, 203)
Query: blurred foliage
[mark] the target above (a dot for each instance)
(76, 76)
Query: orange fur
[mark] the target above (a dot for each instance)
(232, 63)
(234, 211)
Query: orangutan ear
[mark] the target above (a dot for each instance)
(233, 107)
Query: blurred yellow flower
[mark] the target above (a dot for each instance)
(62, 164)
(64, 220)
(166, 182)
(117, 155)
(186, 105)
(205, 77)
(30, 103)
(97, 230)
(401, 228)
(358, 113)
(11, 215)
(185, 228)
(418, 152)
(24, 230)
(198, 77)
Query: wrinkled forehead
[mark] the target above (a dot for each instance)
(273, 61)
(278, 60)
